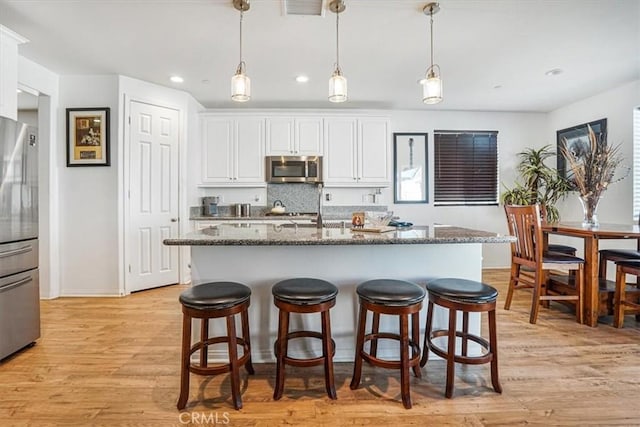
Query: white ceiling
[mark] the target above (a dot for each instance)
(493, 54)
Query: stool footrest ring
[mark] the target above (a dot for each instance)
(295, 361)
(414, 358)
(222, 368)
(471, 360)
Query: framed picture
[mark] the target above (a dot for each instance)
(577, 142)
(410, 169)
(88, 137)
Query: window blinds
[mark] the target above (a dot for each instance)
(466, 167)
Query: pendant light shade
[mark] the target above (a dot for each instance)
(240, 83)
(337, 87)
(432, 83)
(337, 82)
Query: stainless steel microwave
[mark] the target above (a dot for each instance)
(294, 169)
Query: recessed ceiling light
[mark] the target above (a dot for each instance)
(176, 79)
(302, 78)
(19, 90)
(553, 72)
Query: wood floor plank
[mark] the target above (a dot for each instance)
(115, 362)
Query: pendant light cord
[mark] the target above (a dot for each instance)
(431, 15)
(241, 16)
(338, 41)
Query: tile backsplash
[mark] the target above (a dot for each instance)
(295, 197)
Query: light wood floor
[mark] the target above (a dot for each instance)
(115, 361)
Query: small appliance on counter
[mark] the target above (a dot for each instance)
(210, 206)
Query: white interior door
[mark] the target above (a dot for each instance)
(153, 197)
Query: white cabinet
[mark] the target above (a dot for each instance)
(357, 152)
(233, 151)
(9, 42)
(294, 136)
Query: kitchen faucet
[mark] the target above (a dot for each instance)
(319, 218)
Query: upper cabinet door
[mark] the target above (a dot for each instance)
(340, 165)
(217, 150)
(249, 152)
(374, 152)
(294, 136)
(280, 136)
(308, 136)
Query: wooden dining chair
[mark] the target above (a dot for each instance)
(615, 255)
(625, 303)
(527, 253)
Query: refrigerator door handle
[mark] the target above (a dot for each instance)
(22, 250)
(16, 284)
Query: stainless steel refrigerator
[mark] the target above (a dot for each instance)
(19, 281)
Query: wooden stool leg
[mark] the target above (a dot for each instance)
(233, 361)
(246, 336)
(465, 332)
(415, 337)
(204, 335)
(451, 352)
(327, 351)
(185, 362)
(357, 365)
(281, 352)
(493, 348)
(375, 328)
(427, 338)
(404, 361)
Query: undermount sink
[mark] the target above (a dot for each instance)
(333, 224)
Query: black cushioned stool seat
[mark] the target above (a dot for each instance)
(210, 301)
(397, 298)
(465, 296)
(304, 295)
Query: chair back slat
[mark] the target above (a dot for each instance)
(525, 225)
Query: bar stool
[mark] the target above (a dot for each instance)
(211, 301)
(392, 297)
(466, 296)
(304, 295)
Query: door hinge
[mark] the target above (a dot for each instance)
(129, 268)
(129, 119)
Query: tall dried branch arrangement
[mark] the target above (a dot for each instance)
(593, 170)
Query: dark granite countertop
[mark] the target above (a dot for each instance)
(280, 235)
(254, 218)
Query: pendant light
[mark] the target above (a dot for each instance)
(432, 83)
(240, 83)
(337, 82)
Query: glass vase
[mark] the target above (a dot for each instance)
(589, 210)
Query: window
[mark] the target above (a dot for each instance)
(636, 162)
(466, 168)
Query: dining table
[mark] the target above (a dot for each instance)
(591, 235)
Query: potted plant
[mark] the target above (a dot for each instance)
(537, 183)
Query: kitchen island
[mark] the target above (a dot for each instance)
(259, 255)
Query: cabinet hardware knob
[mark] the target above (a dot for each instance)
(174, 219)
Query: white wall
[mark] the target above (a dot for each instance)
(88, 196)
(45, 82)
(616, 106)
(515, 132)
